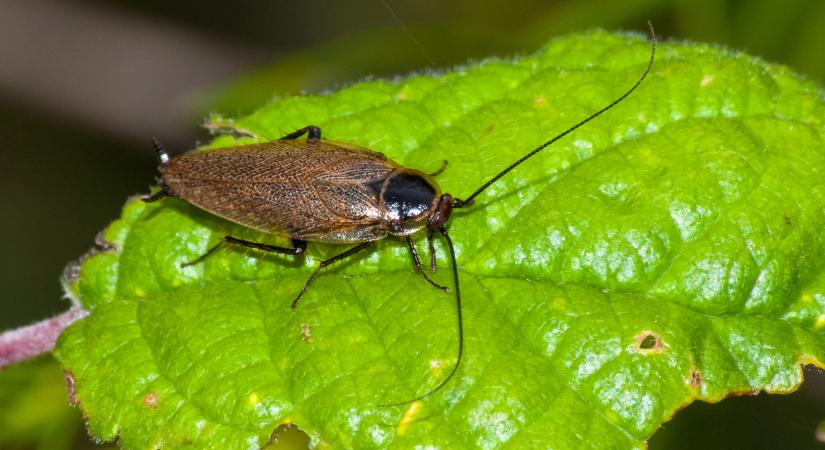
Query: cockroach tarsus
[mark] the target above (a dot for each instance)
(322, 191)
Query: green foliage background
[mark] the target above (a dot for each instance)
(55, 203)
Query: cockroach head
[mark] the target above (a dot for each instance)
(443, 211)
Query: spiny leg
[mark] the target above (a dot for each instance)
(162, 155)
(325, 263)
(298, 248)
(313, 134)
(154, 197)
(433, 265)
(417, 264)
(164, 158)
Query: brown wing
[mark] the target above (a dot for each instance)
(316, 191)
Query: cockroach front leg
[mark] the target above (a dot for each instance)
(417, 265)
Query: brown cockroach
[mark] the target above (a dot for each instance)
(316, 190)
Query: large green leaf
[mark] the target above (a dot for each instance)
(669, 251)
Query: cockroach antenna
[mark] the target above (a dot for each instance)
(447, 203)
(467, 201)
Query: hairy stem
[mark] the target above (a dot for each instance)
(33, 340)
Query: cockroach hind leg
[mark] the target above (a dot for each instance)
(313, 134)
(298, 246)
(202, 257)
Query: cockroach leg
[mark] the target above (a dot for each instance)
(325, 263)
(313, 134)
(417, 264)
(154, 197)
(298, 248)
(162, 155)
(433, 265)
(440, 169)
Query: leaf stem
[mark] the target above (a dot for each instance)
(33, 340)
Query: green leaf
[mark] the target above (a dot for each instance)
(669, 251)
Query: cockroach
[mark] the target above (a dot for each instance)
(315, 190)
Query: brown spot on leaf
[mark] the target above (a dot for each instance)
(489, 129)
(649, 342)
(306, 333)
(151, 400)
(695, 379)
(788, 220)
(71, 387)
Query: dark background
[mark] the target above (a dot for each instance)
(84, 85)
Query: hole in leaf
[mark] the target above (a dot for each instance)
(649, 341)
(287, 436)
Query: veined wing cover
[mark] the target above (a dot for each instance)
(317, 191)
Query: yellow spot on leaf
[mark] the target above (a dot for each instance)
(254, 399)
(820, 322)
(408, 417)
(807, 298)
(559, 303)
(140, 293)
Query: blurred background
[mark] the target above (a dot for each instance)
(85, 85)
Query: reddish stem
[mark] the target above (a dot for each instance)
(35, 339)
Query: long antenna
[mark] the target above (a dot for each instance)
(460, 328)
(460, 203)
